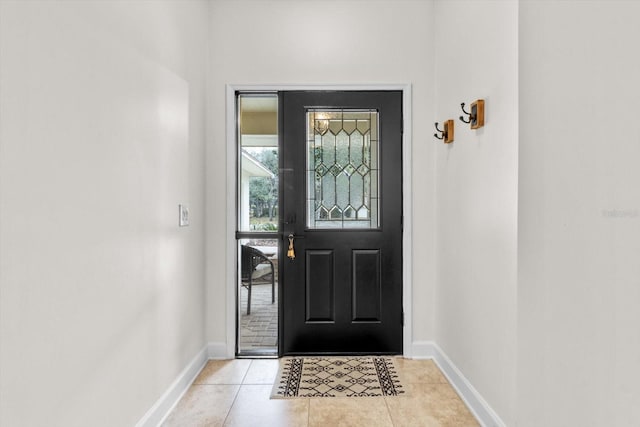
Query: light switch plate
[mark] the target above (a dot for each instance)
(183, 212)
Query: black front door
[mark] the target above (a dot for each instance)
(341, 212)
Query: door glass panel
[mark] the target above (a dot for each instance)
(258, 189)
(257, 224)
(258, 297)
(342, 165)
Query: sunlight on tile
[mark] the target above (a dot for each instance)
(262, 371)
(430, 405)
(349, 411)
(419, 371)
(223, 372)
(203, 405)
(253, 407)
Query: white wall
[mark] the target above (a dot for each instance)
(311, 42)
(579, 214)
(101, 136)
(102, 123)
(476, 196)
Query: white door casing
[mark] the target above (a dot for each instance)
(232, 173)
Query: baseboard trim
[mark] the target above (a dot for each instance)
(163, 407)
(218, 350)
(472, 398)
(423, 350)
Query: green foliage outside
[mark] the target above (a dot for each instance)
(263, 192)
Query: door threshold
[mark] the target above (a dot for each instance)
(266, 354)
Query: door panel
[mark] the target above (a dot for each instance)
(366, 285)
(319, 292)
(341, 195)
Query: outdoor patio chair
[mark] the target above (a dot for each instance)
(254, 265)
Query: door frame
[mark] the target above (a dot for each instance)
(232, 211)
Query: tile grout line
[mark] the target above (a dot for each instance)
(226, 417)
(386, 404)
(237, 393)
(244, 377)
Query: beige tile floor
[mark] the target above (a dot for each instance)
(236, 393)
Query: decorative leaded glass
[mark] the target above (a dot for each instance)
(342, 168)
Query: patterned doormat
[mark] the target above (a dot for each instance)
(336, 377)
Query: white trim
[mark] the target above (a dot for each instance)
(156, 415)
(252, 167)
(483, 412)
(407, 232)
(217, 350)
(232, 251)
(407, 246)
(424, 350)
(260, 141)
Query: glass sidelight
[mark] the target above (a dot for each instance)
(258, 297)
(258, 192)
(257, 224)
